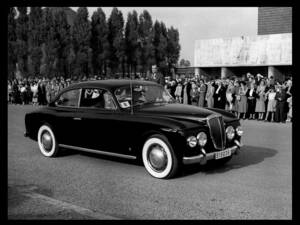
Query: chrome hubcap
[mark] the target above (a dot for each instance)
(157, 158)
(46, 141)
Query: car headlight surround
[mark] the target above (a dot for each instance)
(202, 138)
(192, 141)
(239, 131)
(230, 132)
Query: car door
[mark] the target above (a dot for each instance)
(99, 121)
(66, 113)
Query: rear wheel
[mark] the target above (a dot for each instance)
(47, 141)
(159, 158)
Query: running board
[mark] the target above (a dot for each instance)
(97, 151)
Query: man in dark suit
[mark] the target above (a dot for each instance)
(219, 95)
(156, 76)
(281, 101)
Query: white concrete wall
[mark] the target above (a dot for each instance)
(274, 49)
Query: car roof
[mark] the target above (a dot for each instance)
(110, 84)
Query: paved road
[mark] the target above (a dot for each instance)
(256, 184)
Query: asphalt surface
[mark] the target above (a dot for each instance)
(256, 184)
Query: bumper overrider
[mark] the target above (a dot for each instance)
(203, 156)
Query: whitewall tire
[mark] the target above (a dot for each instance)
(159, 158)
(47, 141)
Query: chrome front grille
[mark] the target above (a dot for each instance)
(217, 131)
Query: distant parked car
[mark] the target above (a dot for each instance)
(134, 119)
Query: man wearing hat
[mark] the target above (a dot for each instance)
(157, 76)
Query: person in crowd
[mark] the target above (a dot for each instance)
(289, 115)
(271, 103)
(23, 93)
(9, 92)
(168, 84)
(173, 85)
(229, 96)
(242, 100)
(280, 103)
(156, 76)
(194, 93)
(235, 97)
(202, 93)
(260, 101)
(210, 94)
(251, 100)
(34, 90)
(15, 92)
(220, 95)
(258, 78)
(186, 92)
(178, 92)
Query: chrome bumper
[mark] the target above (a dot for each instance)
(202, 158)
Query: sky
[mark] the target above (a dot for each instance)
(194, 23)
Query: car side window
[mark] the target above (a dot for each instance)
(97, 98)
(69, 98)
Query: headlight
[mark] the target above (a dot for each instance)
(239, 131)
(202, 138)
(230, 132)
(192, 141)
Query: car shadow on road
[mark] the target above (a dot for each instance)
(250, 155)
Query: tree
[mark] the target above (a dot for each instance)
(11, 42)
(35, 39)
(184, 63)
(99, 42)
(173, 47)
(145, 30)
(50, 45)
(116, 40)
(160, 46)
(22, 40)
(132, 42)
(61, 44)
(81, 43)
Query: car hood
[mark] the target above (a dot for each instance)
(185, 112)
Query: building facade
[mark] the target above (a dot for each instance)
(268, 53)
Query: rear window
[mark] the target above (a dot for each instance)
(69, 98)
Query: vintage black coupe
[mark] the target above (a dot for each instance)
(134, 120)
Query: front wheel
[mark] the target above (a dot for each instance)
(159, 158)
(47, 141)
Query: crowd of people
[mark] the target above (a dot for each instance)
(255, 97)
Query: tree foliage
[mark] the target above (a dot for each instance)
(56, 41)
(145, 30)
(81, 43)
(99, 42)
(116, 40)
(35, 39)
(22, 40)
(11, 42)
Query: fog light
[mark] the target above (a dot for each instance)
(230, 132)
(239, 131)
(202, 138)
(192, 141)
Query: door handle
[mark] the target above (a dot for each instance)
(76, 118)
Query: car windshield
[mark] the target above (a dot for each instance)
(142, 95)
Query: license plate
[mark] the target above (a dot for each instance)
(223, 154)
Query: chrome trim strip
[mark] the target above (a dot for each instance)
(209, 156)
(79, 99)
(210, 130)
(97, 151)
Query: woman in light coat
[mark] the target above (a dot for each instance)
(210, 95)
